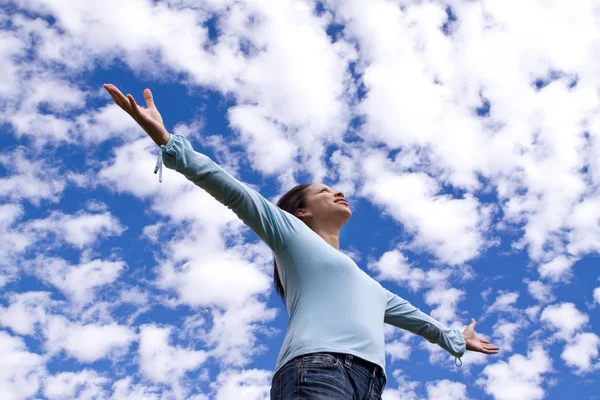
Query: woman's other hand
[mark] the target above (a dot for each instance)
(148, 118)
(475, 343)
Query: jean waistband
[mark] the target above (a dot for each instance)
(375, 370)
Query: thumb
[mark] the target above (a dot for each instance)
(148, 98)
(472, 324)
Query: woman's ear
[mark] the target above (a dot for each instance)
(303, 213)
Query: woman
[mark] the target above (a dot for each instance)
(334, 344)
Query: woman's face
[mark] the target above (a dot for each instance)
(321, 202)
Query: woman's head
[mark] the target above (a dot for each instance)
(318, 206)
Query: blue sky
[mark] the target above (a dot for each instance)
(465, 134)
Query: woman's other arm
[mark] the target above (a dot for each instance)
(402, 314)
(268, 221)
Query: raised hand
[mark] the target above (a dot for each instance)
(148, 118)
(475, 343)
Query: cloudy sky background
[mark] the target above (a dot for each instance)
(466, 135)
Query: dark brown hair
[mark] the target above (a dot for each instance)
(290, 202)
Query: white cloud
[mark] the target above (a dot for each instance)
(521, 377)
(14, 241)
(203, 281)
(504, 302)
(507, 332)
(25, 311)
(423, 89)
(269, 149)
(532, 312)
(406, 389)
(597, 295)
(540, 291)
(251, 384)
(584, 236)
(85, 384)
(581, 352)
(453, 229)
(30, 179)
(126, 389)
(557, 269)
(398, 350)
(565, 318)
(20, 370)
(81, 229)
(446, 300)
(86, 342)
(234, 332)
(446, 389)
(393, 265)
(78, 282)
(163, 363)
(580, 348)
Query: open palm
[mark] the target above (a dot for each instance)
(148, 118)
(476, 343)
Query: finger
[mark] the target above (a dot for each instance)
(124, 105)
(486, 351)
(134, 106)
(491, 347)
(118, 97)
(482, 340)
(115, 92)
(149, 99)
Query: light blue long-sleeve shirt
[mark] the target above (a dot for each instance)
(333, 305)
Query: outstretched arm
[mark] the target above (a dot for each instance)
(273, 225)
(402, 314)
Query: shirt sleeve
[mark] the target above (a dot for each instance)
(272, 224)
(402, 314)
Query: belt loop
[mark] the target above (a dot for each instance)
(348, 360)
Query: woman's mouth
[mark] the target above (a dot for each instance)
(343, 202)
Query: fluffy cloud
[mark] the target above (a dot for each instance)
(565, 318)
(79, 230)
(393, 265)
(20, 370)
(556, 269)
(581, 352)
(235, 331)
(250, 384)
(126, 389)
(540, 291)
(507, 333)
(520, 377)
(163, 363)
(406, 389)
(504, 302)
(25, 311)
(87, 342)
(446, 300)
(78, 282)
(446, 389)
(14, 242)
(398, 350)
(86, 384)
(28, 179)
(453, 229)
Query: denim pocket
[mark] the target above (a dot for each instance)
(319, 360)
(321, 376)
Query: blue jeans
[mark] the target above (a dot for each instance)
(328, 376)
